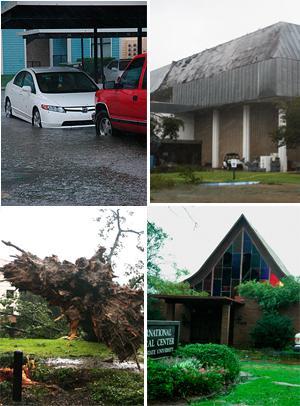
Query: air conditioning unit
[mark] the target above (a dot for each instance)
(265, 163)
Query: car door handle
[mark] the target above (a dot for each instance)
(134, 98)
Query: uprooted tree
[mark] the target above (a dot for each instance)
(86, 293)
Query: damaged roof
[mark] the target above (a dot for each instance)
(280, 40)
(260, 65)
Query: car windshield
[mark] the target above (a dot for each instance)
(65, 82)
(124, 64)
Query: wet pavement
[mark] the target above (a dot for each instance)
(70, 166)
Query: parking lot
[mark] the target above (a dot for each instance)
(70, 166)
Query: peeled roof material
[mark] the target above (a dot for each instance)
(280, 40)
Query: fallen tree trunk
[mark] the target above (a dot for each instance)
(87, 295)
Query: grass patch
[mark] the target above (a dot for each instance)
(5, 79)
(262, 391)
(54, 347)
(164, 180)
(97, 386)
(117, 388)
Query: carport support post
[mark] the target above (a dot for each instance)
(101, 53)
(82, 53)
(215, 138)
(139, 40)
(246, 133)
(95, 55)
(282, 153)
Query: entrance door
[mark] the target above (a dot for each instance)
(206, 325)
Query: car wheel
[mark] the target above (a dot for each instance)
(36, 118)
(8, 109)
(103, 124)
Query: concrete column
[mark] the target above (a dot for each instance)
(282, 153)
(246, 133)
(188, 132)
(225, 324)
(51, 52)
(215, 138)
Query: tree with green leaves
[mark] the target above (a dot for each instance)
(156, 237)
(289, 132)
(165, 126)
(272, 329)
(35, 318)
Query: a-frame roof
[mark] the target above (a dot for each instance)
(266, 252)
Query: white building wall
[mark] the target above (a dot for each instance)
(188, 133)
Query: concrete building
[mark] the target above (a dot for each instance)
(223, 316)
(230, 96)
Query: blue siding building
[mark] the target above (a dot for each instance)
(13, 55)
(76, 48)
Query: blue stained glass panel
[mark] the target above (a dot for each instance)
(264, 274)
(217, 287)
(247, 243)
(236, 263)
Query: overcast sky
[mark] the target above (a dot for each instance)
(180, 28)
(68, 232)
(190, 246)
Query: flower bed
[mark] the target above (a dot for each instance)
(196, 369)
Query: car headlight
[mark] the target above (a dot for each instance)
(57, 109)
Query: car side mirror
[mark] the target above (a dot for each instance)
(26, 89)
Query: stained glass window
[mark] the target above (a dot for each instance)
(240, 262)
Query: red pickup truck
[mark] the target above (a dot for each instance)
(122, 106)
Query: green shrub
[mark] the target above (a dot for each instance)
(213, 355)
(189, 175)
(66, 378)
(173, 378)
(118, 388)
(272, 330)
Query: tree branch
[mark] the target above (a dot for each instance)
(119, 234)
(9, 244)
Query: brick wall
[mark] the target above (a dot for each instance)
(245, 318)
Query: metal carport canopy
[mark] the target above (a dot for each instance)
(80, 14)
(75, 15)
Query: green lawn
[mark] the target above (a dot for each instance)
(161, 180)
(261, 390)
(54, 348)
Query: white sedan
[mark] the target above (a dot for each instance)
(51, 97)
